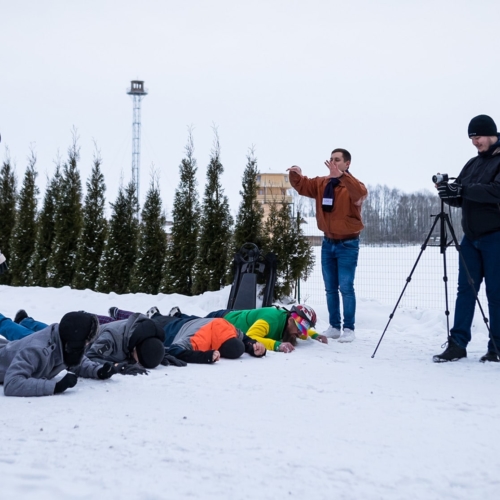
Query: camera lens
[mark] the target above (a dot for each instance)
(438, 178)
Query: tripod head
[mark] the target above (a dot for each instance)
(444, 222)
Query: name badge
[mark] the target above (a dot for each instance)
(327, 201)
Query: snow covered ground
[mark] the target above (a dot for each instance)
(323, 422)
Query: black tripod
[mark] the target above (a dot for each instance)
(445, 225)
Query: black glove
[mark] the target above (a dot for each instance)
(451, 190)
(129, 369)
(106, 371)
(69, 380)
(168, 359)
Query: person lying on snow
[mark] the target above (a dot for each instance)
(28, 366)
(276, 328)
(199, 340)
(133, 345)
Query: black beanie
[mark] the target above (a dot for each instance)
(232, 348)
(75, 330)
(150, 352)
(144, 328)
(482, 125)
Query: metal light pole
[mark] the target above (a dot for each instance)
(137, 91)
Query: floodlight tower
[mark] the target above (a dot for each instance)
(137, 91)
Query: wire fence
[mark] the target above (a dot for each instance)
(382, 273)
(396, 227)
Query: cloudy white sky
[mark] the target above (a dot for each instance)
(395, 82)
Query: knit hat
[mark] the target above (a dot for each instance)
(150, 352)
(302, 324)
(76, 329)
(232, 348)
(144, 328)
(482, 125)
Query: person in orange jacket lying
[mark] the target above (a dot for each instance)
(199, 340)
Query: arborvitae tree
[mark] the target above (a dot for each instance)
(121, 248)
(215, 229)
(45, 232)
(248, 227)
(23, 237)
(302, 258)
(179, 265)
(147, 272)
(8, 196)
(287, 241)
(94, 231)
(68, 223)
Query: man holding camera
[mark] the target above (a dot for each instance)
(477, 191)
(338, 196)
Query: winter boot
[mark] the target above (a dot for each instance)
(490, 356)
(175, 311)
(152, 312)
(452, 353)
(20, 315)
(112, 312)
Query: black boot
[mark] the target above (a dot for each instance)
(20, 315)
(112, 312)
(490, 356)
(452, 353)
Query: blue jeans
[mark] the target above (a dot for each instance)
(14, 331)
(33, 324)
(338, 264)
(482, 257)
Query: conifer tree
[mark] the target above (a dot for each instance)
(45, 231)
(8, 197)
(286, 239)
(179, 265)
(215, 229)
(23, 237)
(68, 222)
(121, 248)
(302, 262)
(248, 227)
(152, 244)
(93, 237)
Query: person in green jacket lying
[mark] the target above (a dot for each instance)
(276, 328)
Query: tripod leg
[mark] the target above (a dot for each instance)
(447, 310)
(423, 247)
(443, 245)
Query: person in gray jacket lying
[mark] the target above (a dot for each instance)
(137, 340)
(28, 366)
(134, 344)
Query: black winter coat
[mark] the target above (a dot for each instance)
(480, 201)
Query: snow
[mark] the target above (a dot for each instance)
(323, 422)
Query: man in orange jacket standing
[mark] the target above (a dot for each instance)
(339, 197)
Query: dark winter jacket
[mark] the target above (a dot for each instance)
(194, 339)
(480, 201)
(116, 341)
(28, 365)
